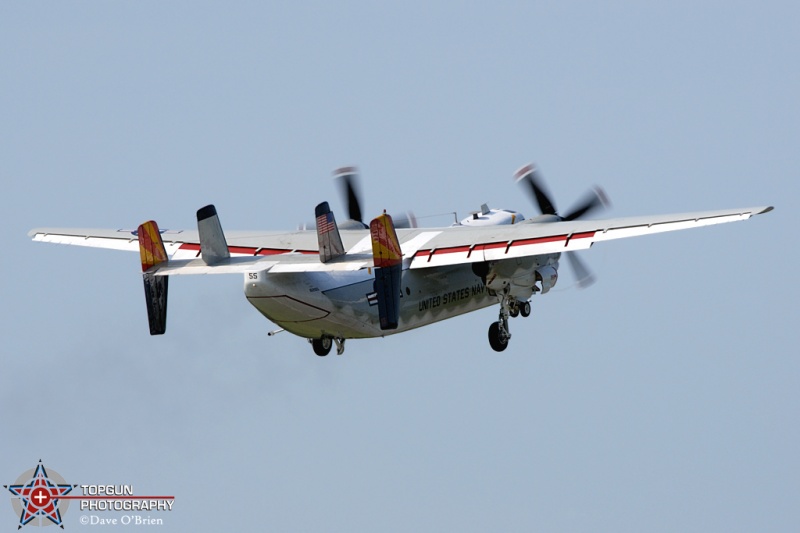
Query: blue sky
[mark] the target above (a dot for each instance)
(663, 398)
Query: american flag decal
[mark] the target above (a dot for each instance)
(325, 223)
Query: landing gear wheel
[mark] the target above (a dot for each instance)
(514, 311)
(497, 337)
(525, 309)
(322, 347)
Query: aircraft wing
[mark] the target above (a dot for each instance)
(459, 245)
(298, 251)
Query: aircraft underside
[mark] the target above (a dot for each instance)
(328, 307)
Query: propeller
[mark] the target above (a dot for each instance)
(591, 201)
(349, 184)
(580, 270)
(348, 178)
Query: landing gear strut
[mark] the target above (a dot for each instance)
(339, 345)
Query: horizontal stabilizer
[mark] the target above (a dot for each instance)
(213, 246)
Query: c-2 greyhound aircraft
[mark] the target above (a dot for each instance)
(353, 281)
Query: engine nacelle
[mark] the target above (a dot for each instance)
(509, 278)
(547, 276)
(492, 217)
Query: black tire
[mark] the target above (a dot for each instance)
(322, 347)
(497, 344)
(514, 311)
(525, 309)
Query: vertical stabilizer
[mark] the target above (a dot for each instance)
(153, 253)
(387, 257)
(213, 246)
(330, 242)
(151, 247)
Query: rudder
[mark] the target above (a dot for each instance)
(387, 258)
(152, 252)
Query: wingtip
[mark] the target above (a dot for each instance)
(765, 210)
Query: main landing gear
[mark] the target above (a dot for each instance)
(323, 345)
(498, 331)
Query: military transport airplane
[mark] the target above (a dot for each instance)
(349, 280)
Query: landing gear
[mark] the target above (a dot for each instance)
(498, 331)
(498, 337)
(518, 307)
(322, 346)
(339, 345)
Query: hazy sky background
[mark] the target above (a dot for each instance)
(663, 398)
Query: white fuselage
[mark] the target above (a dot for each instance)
(342, 304)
